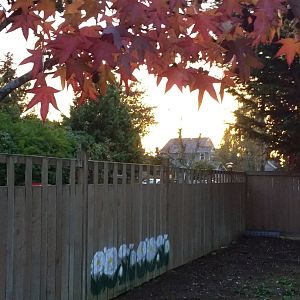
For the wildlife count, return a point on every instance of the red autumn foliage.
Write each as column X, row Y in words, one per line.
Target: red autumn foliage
column 92, row 42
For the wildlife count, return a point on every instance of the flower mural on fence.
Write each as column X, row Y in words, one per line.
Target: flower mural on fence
column 111, row 262
column 97, row 265
column 111, row 266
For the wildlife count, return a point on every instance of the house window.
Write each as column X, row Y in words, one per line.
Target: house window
column 202, row 156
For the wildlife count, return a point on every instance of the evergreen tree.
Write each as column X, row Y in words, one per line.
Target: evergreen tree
column 13, row 104
column 111, row 128
column 244, row 154
column 269, row 107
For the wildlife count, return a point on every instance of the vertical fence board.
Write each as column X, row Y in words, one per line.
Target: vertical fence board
column 4, row 239
column 19, row 244
column 36, row 243
column 65, row 234
column 28, row 227
column 59, row 242
column 51, row 242
column 91, row 250
column 10, row 227
column 72, row 229
column 44, row 231
column 78, row 236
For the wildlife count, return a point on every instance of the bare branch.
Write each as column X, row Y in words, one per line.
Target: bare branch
column 9, row 20
column 12, row 85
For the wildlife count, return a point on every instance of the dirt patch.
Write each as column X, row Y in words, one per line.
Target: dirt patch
column 252, row 268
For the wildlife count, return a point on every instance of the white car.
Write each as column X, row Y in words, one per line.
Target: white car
column 151, row 181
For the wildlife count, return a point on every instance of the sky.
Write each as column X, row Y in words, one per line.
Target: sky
column 173, row 110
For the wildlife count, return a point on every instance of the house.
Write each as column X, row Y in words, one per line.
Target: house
column 271, row 166
column 186, row 151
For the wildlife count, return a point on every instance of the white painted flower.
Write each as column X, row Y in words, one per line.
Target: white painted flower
column 167, row 246
column 159, row 240
column 123, row 251
column 165, row 237
column 121, row 271
column 132, row 258
column 141, row 252
column 157, row 257
column 151, row 249
column 131, row 246
column 111, row 262
column 97, row 265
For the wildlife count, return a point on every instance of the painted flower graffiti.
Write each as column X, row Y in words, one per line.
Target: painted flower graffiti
column 141, row 252
column 97, row 265
column 111, row 266
column 111, row 262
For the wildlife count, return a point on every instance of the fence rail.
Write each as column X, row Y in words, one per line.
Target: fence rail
column 78, row 229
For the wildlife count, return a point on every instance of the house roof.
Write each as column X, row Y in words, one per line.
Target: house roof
column 191, row 145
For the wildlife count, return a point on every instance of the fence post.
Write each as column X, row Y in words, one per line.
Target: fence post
column 83, row 179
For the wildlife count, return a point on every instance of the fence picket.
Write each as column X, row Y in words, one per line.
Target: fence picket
column 10, row 226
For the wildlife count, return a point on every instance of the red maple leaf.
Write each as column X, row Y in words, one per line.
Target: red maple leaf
column 203, row 82
column 177, row 3
column 25, row 21
column 270, row 7
column 66, row 45
column 229, row 7
column 191, row 47
column 205, row 24
column 77, row 67
column 132, row 12
column 289, row 48
column 37, row 59
column 103, row 50
column 125, row 70
column 226, row 81
column 45, row 95
column 88, row 91
column 266, row 19
column 47, row 6
column 24, row 5
column 239, row 51
column 176, row 76
column 140, row 45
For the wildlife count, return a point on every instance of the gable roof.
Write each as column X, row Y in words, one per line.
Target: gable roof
column 192, row 145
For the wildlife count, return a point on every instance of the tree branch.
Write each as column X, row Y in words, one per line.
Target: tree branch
column 9, row 19
column 12, row 85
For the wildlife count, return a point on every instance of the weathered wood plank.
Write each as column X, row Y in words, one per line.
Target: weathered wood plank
column 78, row 240
column 10, row 227
column 4, row 222
column 36, row 242
column 51, row 241
column 19, row 244
column 72, row 231
column 91, row 249
column 59, row 241
column 44, row 230
column 28, row 228
column 65, row 234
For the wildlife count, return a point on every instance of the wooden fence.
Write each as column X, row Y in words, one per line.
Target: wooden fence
column 78, row 229
column 273, row 202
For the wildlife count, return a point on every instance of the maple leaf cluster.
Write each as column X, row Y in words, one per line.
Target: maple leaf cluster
column 88, row 43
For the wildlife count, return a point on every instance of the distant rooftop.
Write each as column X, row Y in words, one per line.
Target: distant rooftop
column 192, row 145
